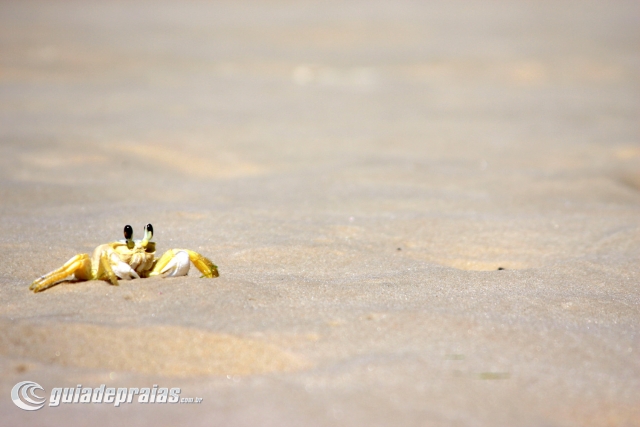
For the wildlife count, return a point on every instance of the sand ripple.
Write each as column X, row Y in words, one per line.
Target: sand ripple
column 164, row 350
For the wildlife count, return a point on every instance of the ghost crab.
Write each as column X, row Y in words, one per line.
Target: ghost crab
column 127, row 259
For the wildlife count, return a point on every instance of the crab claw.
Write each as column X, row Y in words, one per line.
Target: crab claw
column 177, row 266
column 122, row 269
column 124, row 272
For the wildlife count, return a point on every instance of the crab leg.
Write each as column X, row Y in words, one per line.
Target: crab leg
column 105, row 272
column 80, row 265
column 175, row 262
column 206, row 267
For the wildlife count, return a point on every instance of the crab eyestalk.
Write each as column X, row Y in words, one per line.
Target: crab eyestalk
column 128, row 236
column 148, row 235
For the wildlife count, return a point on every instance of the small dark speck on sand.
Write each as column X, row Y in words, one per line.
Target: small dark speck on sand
column 500, row 268
column 399, row 249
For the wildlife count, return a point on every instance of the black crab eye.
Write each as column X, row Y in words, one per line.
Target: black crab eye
column 128, row 232
column 149, row 228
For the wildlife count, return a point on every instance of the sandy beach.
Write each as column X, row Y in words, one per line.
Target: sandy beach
column 423, row 213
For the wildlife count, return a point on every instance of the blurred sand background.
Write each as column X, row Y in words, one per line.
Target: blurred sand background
column 358, row 171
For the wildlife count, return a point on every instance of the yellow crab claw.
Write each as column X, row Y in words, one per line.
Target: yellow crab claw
column 167, row 261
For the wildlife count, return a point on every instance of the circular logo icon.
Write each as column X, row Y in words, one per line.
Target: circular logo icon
column 24, row 396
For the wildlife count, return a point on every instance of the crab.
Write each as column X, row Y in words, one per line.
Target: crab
column 127, row 259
